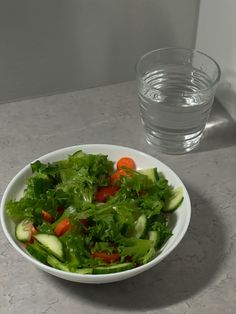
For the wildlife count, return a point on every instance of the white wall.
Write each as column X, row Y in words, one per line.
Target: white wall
column 50, row 46
column 216, row 36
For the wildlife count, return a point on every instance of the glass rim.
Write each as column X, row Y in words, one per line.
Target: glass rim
column 192, row 51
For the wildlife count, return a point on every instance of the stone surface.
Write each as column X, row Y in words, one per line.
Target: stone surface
column 198, row 277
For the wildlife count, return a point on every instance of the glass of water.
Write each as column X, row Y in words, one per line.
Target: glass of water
column 176, row 89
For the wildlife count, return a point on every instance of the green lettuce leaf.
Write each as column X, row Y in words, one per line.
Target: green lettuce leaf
column 136, row 248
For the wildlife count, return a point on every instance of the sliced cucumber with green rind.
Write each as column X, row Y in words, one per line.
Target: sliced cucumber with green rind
column 23, row 230
column 51, row 243
column 175, row 200
column 151, row 173
column 140, row 226
column 37, row 252
column 55, row 263
column 84, row 271
column 113, row 268
column 154, row 237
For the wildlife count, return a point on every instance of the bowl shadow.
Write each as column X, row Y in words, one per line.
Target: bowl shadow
column 185, row 272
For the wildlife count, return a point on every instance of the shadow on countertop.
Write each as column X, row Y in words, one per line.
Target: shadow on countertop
column 220, row 130
column 188, row 270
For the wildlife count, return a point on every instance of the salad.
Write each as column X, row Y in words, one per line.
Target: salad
column 89, row 215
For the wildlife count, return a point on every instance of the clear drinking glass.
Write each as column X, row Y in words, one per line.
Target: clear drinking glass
column 176, row 89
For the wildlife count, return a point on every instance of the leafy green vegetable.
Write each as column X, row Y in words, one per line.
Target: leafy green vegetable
column 77, row 254
column 103, row 247
column 45, row 227
column 18, row 210
column 137, row 248
column 67, row 189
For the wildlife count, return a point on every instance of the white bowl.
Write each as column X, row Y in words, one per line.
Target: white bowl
column 179, row 219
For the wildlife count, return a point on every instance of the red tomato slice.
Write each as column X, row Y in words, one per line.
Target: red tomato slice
column 128, row 258
column 116, row 175
column 103, row 194
column 46, row 216
column 107, row 258
column 62, row 227
column 126, row 162
column 33, row 230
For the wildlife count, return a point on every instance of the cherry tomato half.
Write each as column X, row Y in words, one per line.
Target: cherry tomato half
column 126, row 162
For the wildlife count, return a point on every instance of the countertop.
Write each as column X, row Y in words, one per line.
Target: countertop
column 200, row 274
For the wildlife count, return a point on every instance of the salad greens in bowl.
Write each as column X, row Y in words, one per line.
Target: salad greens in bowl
column 95, row 213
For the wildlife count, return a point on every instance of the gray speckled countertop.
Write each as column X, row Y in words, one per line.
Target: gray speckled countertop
column 198, row 277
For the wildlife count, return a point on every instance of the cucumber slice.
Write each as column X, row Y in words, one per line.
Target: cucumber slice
column 113, row 268
column 84, row 271
column 51, row 243
column 55, row 263
column 37, row 252
column 23, row 230
column 174, row 201
column 140, row 226
column 154, row 237
column 151, row 173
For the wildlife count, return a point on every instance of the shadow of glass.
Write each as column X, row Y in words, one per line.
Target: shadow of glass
column 220, row 130
column 188, row 270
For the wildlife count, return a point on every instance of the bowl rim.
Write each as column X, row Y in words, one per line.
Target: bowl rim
column 83, row 277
